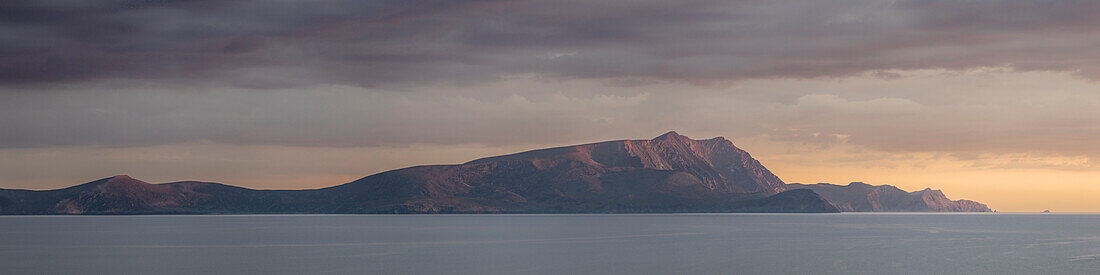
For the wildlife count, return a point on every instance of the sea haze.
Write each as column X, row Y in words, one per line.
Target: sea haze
column 509, row 244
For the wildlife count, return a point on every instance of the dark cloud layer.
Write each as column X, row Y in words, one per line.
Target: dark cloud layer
column 278, row 44
column 919, row 76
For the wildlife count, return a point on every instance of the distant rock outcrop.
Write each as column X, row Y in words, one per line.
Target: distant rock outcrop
column 862, row 197
column 670, row 173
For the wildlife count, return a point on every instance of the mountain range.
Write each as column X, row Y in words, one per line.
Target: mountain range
column 670, row 173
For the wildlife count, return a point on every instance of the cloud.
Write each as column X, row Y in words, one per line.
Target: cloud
column 401, row 43
column 877, row 107
column 255, row 166
column 896, row 76
column 1032, row 161
column 986, row 111
column 331, row 116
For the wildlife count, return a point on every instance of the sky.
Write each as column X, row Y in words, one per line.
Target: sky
column 994, row 101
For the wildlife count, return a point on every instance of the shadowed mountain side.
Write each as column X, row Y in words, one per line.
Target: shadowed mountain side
column 518, row 187
column 862, row 197
column 665, row 174
column 124, row 195
column 670, row 173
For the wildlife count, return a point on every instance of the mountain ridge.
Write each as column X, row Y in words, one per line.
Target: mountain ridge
column 667, row 174
column 862, row 197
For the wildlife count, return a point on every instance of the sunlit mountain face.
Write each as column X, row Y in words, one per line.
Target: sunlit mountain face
column 990, row 101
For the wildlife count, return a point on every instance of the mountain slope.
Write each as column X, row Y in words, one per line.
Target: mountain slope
column 862, row 197
column 716, row 162
column 670, row 173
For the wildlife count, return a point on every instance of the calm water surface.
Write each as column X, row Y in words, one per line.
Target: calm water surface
column 557, row 244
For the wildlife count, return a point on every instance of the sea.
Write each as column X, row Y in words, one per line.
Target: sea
column 845, row 243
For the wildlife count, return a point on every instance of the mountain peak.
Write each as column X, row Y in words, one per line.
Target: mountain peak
column 671, row 135
column 714, row 164
column 123, row 179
